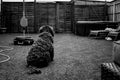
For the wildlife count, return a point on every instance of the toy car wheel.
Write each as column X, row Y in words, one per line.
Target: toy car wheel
column 15, row 42
column 31, row 42
column 25, row 42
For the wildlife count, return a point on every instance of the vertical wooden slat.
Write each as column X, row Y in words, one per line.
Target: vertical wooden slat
column 47, row 8
column 57, row 16
column 0, row 19
column 65, row 5
column 35, row 27
column 73, row 18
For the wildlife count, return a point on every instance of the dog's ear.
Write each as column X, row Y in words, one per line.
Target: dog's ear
column 41, row 28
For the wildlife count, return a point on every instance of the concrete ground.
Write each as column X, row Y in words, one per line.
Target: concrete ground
column 76, row 58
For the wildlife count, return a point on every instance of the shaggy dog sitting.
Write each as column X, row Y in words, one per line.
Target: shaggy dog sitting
column 42, row 51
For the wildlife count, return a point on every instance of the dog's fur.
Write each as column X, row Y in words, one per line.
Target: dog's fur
column 47, row 28
column 46, row 36
column 42, row 51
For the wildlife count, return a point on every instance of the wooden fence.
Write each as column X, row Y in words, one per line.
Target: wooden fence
column 89, row 11
column 56, row 14
column 114, row 11
column 61, row 15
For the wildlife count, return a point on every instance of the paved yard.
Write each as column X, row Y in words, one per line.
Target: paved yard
column 76, row 58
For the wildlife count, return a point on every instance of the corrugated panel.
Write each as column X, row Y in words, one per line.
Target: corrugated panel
column 88, row 3
column 89, row 13
column 110, row 17
column 118, row 17
column 45, row 14
column 114, row 8
column 51, row 14
column 117, row 8
column 110, row 9
column 41, row 14
column 63, row 17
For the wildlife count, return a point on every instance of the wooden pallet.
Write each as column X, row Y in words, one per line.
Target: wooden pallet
column 110, row 71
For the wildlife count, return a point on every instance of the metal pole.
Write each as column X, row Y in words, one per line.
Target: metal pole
column 24, row 21
column 105, row 10
column 23, row 7
column 1, row 6
column 35, row 16
column 47, row 13
column 113, row 11
column 1, row 14
column 24, row 16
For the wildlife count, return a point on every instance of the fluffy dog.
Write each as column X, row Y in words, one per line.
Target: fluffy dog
column 42, row 51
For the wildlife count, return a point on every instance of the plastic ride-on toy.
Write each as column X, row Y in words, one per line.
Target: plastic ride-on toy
column 25, row 40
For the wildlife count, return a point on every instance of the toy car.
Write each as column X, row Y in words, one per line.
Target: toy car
column 25, row 40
